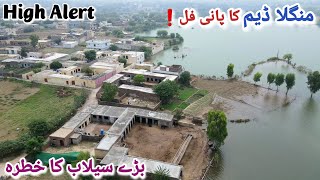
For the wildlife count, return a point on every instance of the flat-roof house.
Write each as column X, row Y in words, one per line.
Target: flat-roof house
column 98, row 44
column 69, row 44
column 172, row 70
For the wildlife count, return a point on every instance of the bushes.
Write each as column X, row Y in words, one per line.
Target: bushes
column 10, row 147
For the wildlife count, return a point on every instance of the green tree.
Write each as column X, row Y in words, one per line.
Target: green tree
column 123, row 60
column 57, row 40
column 166, row 90
column 159, row 63
column 55, row 65
column 87, row 70
column 23, row 52
column 147, row 51
column 162, row 33
column 217, row 127
column 113, row 47
column 230, row 70
column 161, row 173
column 271, row 77
column 34, row 145
column 109, row 92
column 118, row 33
column 279, row 80
column 138, row 79
column 172, row 35
column 290, row 81
column 185, row 78
column 256, row 77
column 314, row 82
column 90, row 55
column 34, row 40
column 288, row 57
column 39, row 127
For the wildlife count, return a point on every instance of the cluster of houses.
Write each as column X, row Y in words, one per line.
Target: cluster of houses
column 106, row 68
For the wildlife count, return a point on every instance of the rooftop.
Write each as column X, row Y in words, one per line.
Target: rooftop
column 137, row 88
column 80, row 117
column 114, row 78
column 148, row 73
column 62, row 133
column 62, row 76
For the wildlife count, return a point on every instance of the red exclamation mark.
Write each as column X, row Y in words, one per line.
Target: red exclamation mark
column 169, row 17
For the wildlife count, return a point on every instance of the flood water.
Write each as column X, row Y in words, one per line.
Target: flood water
column 279, row 145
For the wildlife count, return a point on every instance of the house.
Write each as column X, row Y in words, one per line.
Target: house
column 173, row 69
column 69, row 44
column 43, row 43
column 98, row 44
column 150, row 77
column 131, row 45
column 10, row 50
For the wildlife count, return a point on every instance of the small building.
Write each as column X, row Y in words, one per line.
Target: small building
column 138, row 92
column 69, row 44
column 61, row 137
column 10, row 50
column 98, row 44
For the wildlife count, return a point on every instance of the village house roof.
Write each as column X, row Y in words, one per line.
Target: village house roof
column 137, row 88
column 61, row 133
column 80, row 117
column 148, row 73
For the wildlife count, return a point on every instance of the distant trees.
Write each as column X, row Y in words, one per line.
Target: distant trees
column 57, row 40
column 314, row 82
column 23, row 52
column 257, row 77
column 90, row 55
column 28, row 29
column 55, row 65
column 138, row 79
column 162, row 33
column 288, row 57
column 113, row 47
column 217, row 127
column 279, row 80
column 147, row 51
column 159, row 63
column 34, row 40
column 166, row 90
column 117, row 33
column 230, row 70
column 109, row 92
column 185, row 78
column 290, row 81
column 161, row 173
column 123, row 60
column 270, row 79
column 172, row 35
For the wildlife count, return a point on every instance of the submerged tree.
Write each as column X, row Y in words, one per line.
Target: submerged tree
column 279, row 80
column 217, row 127
column 257, row 77
column 314, row 82
column 230, row 70
column 288, row 57
column 271, row 77
column 290, row 81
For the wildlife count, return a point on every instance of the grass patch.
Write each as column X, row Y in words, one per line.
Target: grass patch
column 185, row 93
column 45, row 104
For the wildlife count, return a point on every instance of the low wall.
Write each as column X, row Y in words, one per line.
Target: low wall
column 91, row 138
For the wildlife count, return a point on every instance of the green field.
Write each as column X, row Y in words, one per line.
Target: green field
column 21, row 104
column 184, row 98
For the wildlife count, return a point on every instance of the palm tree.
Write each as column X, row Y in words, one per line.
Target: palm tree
column 161, row 173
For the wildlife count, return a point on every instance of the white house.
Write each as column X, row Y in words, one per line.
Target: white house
column 98, row 44
column 69, row 44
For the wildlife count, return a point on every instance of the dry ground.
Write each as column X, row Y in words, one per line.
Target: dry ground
column 83, row 146
column 162, row 144
column 95, row 128
column 11, row 93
